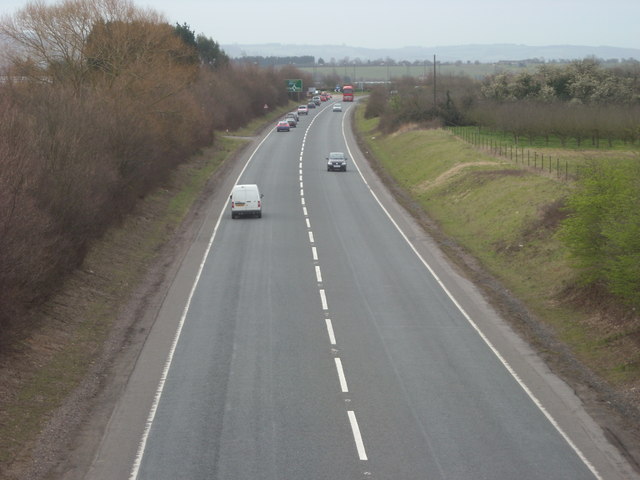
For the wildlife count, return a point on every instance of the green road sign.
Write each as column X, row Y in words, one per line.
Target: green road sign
column 294, row 85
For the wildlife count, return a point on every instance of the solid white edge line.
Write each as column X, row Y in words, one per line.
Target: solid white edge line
column 341, row 377
column 332, row 336
column 135, row 469
column 323, row 299
column 362, row 454
column 504, row 362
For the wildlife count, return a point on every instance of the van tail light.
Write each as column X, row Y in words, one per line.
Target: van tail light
column 259, row 204
column 233, row 204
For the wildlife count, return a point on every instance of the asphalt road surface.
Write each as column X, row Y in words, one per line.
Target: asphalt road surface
column 331, row 340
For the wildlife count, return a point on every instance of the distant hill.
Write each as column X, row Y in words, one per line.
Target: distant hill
column 452, row 53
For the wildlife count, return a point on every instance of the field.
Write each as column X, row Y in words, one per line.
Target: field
column 382, row 73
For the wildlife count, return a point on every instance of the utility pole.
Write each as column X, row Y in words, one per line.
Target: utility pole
column 434, row 81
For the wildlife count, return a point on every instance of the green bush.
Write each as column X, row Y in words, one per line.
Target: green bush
column 602, row 231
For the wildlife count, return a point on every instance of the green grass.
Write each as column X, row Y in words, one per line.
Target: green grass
column 545, row 142
column 551, row 157
column 503, row 214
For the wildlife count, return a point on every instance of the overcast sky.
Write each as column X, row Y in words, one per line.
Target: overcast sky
column 400, row 23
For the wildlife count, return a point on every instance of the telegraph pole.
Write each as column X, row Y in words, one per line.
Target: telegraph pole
column 434, row 81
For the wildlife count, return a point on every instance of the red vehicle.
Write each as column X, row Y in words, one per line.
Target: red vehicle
column 347, row 93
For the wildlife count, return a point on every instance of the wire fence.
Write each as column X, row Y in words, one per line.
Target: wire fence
column 556, row 167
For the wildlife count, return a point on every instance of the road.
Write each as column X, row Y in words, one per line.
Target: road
column 331, row 340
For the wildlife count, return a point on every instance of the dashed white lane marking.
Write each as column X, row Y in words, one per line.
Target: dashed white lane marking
column 343, row 379
column 362, row 454
column 323, row 298
column 332, row 337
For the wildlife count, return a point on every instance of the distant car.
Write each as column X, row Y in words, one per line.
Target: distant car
column 293, row 115
column 323, row 98
column 283, row 126
column 303, row 110
column 337, row 161
column 311, row 104
column 292, row 122
column 337, row 107
column 317, row 100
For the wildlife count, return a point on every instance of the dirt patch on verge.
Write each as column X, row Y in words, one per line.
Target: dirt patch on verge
column 452, row 172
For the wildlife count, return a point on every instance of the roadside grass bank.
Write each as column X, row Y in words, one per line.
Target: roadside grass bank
column 61, row 348
column 506, row 217
column 546, row 154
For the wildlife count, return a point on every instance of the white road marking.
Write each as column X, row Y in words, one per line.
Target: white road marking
column 311, row 240
column 475, row 326
column 318, row 274
column 343, row 379
column 302, row 201
column 301, row 185
column 135, row 468
column 304, row 211
column 314, row 252
column 362, row 454
column 308, row 223
column 323, row 298
column 332, row 337
column 301, row 192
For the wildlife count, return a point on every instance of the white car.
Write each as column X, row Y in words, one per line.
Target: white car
column 246, row 200
column 303, row 110
column 337, row 107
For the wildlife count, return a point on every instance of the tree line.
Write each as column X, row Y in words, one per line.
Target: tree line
column 99, row 102
column 580, row 101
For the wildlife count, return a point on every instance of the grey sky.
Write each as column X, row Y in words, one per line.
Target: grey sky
column 399, row 23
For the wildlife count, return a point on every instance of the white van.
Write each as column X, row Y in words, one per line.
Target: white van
column 246, row 200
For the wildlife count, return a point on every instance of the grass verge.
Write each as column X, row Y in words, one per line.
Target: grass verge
column 507, row 216
column 55, row 350
column 63, row 338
